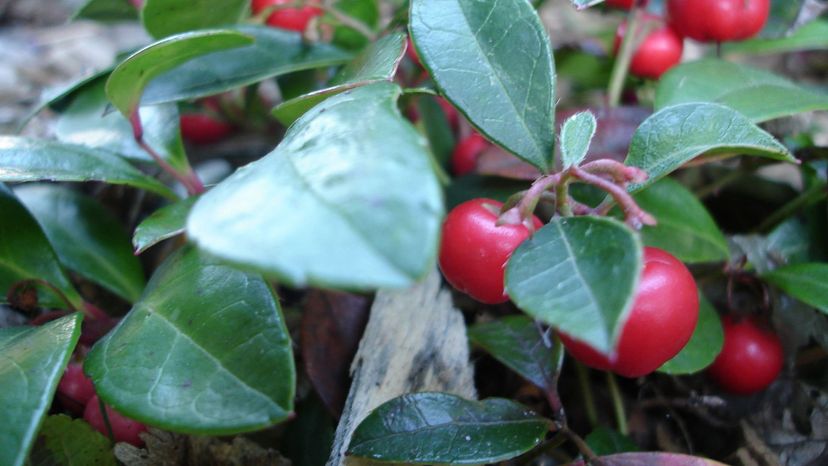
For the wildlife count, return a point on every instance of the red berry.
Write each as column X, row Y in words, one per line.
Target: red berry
column 75, row 389
column 625, row 4
column 474, row 251
column 294, row 19
column 661, row 321
column 750, row 360
column 718, row 20
column 464, row 157
column 201, row 128
column 657, row 53
column 452, row 116
column 123, row 429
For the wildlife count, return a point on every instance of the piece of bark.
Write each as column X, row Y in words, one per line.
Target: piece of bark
column 415, row 341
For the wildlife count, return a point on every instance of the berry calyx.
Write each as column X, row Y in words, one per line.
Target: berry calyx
column 718, row 20
column 201, row 128
column 657, row 53
column 751, row 357
column 660, row 323
column 465, row 154
column 294, row 19
column 123, row 428
column 75, row 389
column 474, row 249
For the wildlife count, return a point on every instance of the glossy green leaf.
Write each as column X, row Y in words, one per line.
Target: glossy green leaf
column 685, row 228
column 703, row 347
column 805, row 282
column 66, row 441
column 127, row 81
column 455, row 430
column 755, row 93
column 205, row 351
column 33, row 362
column 162, row 18
column 23, row 159
column 107, row 11
column 25, row 253
column 378, row 62
column 366, row 191
column 366, row 11
column 516, row 342
column 812, row 36
column 651, row 459
column 576, row 135
column 493, row 60
column 86, row 237
column 606, row 441
column 164, row 223
column 560, row 276
column 675, row 135
column 85, row 121
column 275, row 52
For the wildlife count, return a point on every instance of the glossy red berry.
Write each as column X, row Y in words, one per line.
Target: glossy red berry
column 75, row 389
column 657, row 53
column 474, row 251
column 201, row 128
column 465, row 154
column 123, row 429
column 661, row 321
column 294, row 19
column 718, row 20
column 751, row 357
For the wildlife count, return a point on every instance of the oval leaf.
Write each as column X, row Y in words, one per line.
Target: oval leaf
column 675, row 135
column 205, row 351
column 162, row 18
column 493, row 60
column 456, row 431
column 164, row 223
column 351, row 175
column 805, row 282
column 66, row 441
column 33, row 362
column 576, row 135
column 704, row 345
column 86, row 237
column 652, row 459
column 107, row 11
column 812, row 36
column 560, row 276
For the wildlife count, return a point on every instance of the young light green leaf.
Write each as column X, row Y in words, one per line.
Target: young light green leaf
column 107, row 11
column 755, row 93
column 23, row 159
column 164, row 223
column 33, row 362
column 86, row 237
column 703, row 347
column 812, row 36
column 352, row 175
column 205, row 351
column 675, row 135
column 162, row 18
column 66, row 441
column 560, row 276
column 457, row 431
column 576, row 135
column 493, row 60
column 805, row 282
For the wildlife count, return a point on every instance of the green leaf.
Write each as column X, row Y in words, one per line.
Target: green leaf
column 164, row 223
column 86, row 122
column 437, row 128
column 606, row 441
column 25, row 253
column 805, row 282
column 576, row 135
column 127, row 81
column 703, row 347
column 33, row 362
column 560, row 275
column 205, row 351
column 493, row 60
column 162, row 18
column 274, row 52
column 366, row 11
column 365, row 191
column 66, row 441
column 755, row 93
column 469, row 187
column 378, row 62
column 677, row 134
column 23, row 159
column 456, row 431
column 107, row 11
column 86, row 237
column 685, row 229
column 812, row 36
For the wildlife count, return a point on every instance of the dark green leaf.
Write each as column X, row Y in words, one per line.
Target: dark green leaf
column 560, row 275
column 812, row 36
column 205, row 351
column 366, row 191
column 677, row 134
column 66, row 441
column 107, row 11
column 703, row 347
column 376, row 63
column 33, row 362
column 25, row 253
column 606, row 441
column 86, row 237
column 437, row 128
column 307, row 441
column 493, row 60
column 162, row 18
column 805, row 282
column 366, row 11
column 164, row 223
column 473, row 186
column 652, row 459
column 23, row 159
column 516, row 342
column 455, row 431
column 576, row 135
column 755, row 93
